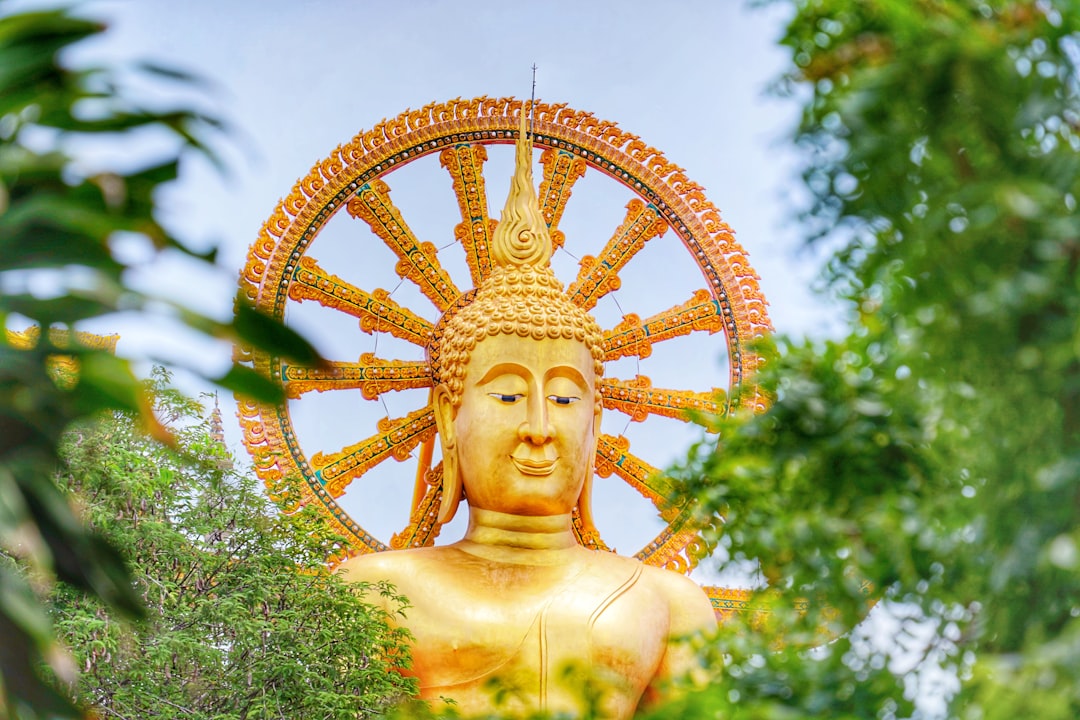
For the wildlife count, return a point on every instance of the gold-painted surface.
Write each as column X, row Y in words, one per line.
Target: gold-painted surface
column 571, row 141
column 561, row 170
column 417, row 261
column 396, row 439
column 639, row 399
column 728, row 602
column 62, row 368
column 519, row 598
column 465, row 163
column 634, row 337
column 599, row 276
column 372, row 376
column 376, row 311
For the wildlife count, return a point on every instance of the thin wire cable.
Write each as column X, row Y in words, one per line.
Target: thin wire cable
column 375, row 349
column 637, row 359
column 563, row 249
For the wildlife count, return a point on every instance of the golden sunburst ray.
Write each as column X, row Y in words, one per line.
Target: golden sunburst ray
column 633, row 337
column 396, row 438
column 465, row 163
column 669, row 548
column 561, row 170
column 372, row 376
column 423, row 525
column 639, row 399
column 376, row 311
column 417, row 261
column 613, row 456
column 600, row 275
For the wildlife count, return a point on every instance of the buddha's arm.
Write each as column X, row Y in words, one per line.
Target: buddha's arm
column 381, row 587
column 691, row 616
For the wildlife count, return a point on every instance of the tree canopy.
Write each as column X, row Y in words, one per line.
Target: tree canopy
column 930, row 459
column 245, row 619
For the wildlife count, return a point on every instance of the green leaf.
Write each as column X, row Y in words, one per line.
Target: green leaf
column 250, row 384
column 22, row 681
column 270, row 335
column 66, row 309
column 78, row 555
column 105, row 382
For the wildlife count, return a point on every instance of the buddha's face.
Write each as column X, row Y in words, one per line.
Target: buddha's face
column 525, row 430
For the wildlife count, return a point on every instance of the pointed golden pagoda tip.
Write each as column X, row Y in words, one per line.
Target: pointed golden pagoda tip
column 522, row 236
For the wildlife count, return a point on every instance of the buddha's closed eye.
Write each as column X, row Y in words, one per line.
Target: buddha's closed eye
column 510, row 399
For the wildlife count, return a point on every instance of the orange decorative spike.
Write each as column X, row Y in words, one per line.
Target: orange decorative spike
column 634, row 337
column 396, row 439
column 613, row 456
column 465, row 162
column 599, row 276
column 423, row 525
column 417, row 261
column 372, row 376
column 561, row 171
column 639, row 399
column 376, row 311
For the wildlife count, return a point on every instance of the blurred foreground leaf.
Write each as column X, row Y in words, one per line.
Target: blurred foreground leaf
column 935, row 450
column 56, row 220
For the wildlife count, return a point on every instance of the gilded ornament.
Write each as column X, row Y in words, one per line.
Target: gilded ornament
column 460, row 133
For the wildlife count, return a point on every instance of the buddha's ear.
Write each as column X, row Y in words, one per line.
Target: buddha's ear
column 445, row 412
column 443, row 406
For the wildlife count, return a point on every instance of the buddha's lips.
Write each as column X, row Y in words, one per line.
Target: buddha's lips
column 537, row 468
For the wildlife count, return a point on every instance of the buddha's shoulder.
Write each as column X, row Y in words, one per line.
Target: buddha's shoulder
column 400, row 568
column 662, row 579
column 686, row 600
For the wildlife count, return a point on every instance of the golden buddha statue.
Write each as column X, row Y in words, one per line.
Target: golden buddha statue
column 518, row 600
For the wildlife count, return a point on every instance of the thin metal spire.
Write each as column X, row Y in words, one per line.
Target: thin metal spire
column 532, row 103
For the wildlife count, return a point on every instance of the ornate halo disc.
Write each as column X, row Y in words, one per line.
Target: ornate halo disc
column 281, row 274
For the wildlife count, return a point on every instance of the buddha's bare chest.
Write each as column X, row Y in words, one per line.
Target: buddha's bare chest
column 526, row 627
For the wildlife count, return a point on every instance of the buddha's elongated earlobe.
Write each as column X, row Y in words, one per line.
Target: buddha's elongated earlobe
column 584, row 503
column 451, row 481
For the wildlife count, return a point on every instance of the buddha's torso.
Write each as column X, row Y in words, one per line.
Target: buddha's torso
column 477, row 622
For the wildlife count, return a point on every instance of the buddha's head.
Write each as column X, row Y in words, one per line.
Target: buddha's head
column 516, row 365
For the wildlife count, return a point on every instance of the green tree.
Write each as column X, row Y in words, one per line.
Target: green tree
column 931, row 458
column 59, row 227
column 244, row 618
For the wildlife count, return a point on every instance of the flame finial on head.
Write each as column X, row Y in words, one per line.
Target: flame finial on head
column 522, row 236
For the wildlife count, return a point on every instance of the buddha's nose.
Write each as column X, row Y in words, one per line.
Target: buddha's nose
column 536, row 429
